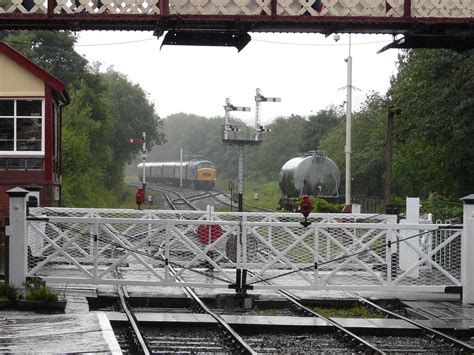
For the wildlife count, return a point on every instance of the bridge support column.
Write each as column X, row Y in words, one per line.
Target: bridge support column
column 467, row 250
column 16, row 231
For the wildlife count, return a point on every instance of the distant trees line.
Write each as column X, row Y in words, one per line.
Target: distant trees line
column 433, row 154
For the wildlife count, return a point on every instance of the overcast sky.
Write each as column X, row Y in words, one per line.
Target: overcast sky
column 307, row 71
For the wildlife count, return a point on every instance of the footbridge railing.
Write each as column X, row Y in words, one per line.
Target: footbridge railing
column 307, row 8
column 242, row 251
column 442, row 21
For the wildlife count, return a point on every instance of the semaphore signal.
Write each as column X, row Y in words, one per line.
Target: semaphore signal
column 258, row 99
column 136, row 140
column 229, row 108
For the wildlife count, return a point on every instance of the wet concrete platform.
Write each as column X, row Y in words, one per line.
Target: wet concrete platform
column 28, row 332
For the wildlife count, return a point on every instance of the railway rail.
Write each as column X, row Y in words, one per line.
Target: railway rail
column 456, row 344
column 180, row 203
column 359, row 343
column 204, row 342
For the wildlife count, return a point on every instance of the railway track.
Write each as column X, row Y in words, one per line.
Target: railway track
column 209, row 339
column 220, row 338
column 178, row 203
column 432, row 340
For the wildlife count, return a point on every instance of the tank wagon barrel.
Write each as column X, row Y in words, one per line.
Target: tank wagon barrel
column 313, row 174
column 199, row 174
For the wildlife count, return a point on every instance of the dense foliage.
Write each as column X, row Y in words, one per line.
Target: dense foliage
column 434, row 89
column 106, row 110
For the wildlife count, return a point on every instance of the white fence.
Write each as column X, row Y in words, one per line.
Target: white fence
column 240, row 250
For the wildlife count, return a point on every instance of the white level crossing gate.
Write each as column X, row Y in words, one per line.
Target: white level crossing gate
column 236, row 250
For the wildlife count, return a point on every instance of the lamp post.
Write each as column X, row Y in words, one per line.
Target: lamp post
column 348, row 147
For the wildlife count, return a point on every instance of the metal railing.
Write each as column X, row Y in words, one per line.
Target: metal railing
column 213, row 249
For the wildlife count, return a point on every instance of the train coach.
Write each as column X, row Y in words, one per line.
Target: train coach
column 199, row 174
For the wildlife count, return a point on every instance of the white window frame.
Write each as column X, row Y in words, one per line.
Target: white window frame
column 25, row 153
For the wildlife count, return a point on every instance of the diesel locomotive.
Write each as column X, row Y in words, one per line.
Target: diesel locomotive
column 198, row 174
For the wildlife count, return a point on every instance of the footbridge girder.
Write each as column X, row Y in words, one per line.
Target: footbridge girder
column 424, row 23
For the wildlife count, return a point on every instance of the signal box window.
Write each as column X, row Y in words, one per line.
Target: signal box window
column 21, row 126
column 21, row 164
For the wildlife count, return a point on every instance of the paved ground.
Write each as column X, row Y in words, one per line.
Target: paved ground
column 28, row 332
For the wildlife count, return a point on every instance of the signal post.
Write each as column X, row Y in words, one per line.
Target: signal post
column 140, row 195
column 232, row 135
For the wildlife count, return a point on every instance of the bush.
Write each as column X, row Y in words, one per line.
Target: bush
column 442, row 208
column 322, row 206
column 8, row 291
column 36, row 290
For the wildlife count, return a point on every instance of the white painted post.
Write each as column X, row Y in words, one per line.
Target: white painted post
column 16, row 231
column 181, row 168
column 467, row 250
column 408, row 257
column 356, row 208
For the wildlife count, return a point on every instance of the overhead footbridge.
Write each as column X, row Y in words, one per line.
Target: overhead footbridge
column 416, row 23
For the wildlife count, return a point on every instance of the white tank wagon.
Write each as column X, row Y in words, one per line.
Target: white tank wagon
column 312, row 174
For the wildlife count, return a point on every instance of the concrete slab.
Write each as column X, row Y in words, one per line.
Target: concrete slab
column 379, row 323
column 247, row 320
column 174, row 317
column 27, row 332
column 297, row 321
column 447, row 311
column 116, row 316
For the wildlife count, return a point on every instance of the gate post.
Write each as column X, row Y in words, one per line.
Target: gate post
column 407, row 256
column 16, row 232
column 467, row 250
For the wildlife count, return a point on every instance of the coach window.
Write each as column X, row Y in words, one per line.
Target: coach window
column 21, row 127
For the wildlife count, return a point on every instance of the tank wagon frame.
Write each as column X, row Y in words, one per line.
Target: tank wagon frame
column 312, row 174
column 198, row 174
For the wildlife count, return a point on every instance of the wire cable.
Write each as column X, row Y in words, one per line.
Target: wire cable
column 82, row 45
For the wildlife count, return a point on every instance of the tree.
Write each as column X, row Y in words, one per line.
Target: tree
column 434, row 90
column 134, row 115
column 51, row 50
column 280, row 145
column 368, row 147
column 318, row 126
